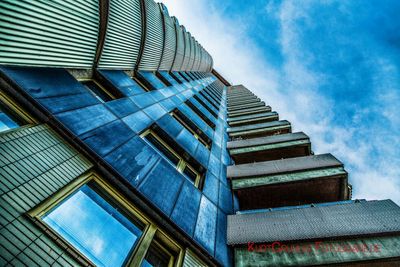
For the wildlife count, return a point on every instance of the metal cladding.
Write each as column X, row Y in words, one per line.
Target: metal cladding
column 169, row 41
column 115, row 34
column 49, row 33
column 283, row 166
column 321, row 221
column 124, row 30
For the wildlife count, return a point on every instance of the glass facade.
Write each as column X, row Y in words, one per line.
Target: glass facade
column 98, row 228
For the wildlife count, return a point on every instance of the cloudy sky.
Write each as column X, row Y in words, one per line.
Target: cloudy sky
column 330, row 67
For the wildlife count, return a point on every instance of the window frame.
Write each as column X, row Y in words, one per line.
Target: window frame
column 176, row 116
column 137, row 253
column 104, row 90
column 181, row 165
column 18, row 111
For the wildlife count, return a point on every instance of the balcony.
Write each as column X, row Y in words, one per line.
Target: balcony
column 259, row 237
column 259, row 129
column 270, row 148
column 288, row 182
column 249, row 111
column 243, row 107
column 253, row 118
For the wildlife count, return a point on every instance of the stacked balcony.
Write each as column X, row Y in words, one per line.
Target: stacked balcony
column 273, row 166
column 289, row 197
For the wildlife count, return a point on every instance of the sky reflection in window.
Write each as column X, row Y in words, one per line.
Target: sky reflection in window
column 94, row 227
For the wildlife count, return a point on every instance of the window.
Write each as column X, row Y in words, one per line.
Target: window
column 11, row 115
column 196, row 132
column 103, row 228
column 173, row 157
column 148, row 80
column 98, row 91
column 158, row 256
column 200, row 114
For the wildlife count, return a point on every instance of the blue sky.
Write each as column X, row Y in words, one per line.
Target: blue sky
column 330, row 67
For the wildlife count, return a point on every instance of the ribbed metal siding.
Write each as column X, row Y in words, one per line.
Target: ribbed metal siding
column 170, row 42
column 34, row 164
column 123, row 35
column 180, row 46
column 192, row 53
column 191, row 260
column 197, row 57
column 186, row 57
column 153, row 45
column 49, row 33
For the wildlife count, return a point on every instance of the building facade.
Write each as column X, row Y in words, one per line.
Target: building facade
column 121, row 145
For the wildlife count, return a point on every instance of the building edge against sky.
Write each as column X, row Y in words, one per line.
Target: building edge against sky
column 121, row 145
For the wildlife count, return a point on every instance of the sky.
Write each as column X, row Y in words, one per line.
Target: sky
column 332, row 68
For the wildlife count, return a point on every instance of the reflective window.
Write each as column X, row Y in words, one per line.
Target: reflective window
column 96, row 226
column 157, row 256
column 150, row 80
column 166, row 150
column 9, row 118
column 98, row 91
column 196, row 132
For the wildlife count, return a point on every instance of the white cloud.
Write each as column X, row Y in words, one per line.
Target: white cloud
column 293, row 89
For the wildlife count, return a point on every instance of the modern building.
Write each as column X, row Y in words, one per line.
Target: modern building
column 121, row 145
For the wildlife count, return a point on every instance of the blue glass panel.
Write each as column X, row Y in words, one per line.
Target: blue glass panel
column 186, row 140
column 152, row 79
column 133, row 160
column 206, row 224
column 95, row 227
column 138, row 121
column 143, row 100
column 44, row 82
column 70, row 102
column 122, row 107
column 170, row 126
column 122, row 81
column 202, row 154
column 186, row 208
column 107, row 137
column 222, row 252
column 85, row 119
column 168, row 104
column 162, row 186
column 225, row 199
column 155, row 111
column 211, row 187
column 214, row 165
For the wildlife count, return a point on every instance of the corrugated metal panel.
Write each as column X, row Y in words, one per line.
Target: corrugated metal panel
column 283, row 166
column 186, row 56
column 153, row 45
column 124, row 29
column 191, row 260
column 170, row 41
column 49, row 33
column 34, row 164
column 192, row 52
column 180, row 46
column 348, row 219
column 197, row 57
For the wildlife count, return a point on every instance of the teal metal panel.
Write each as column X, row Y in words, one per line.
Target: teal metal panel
column 189, row 67
column 154, row 37
column 123, row 35
column 34, row 164
column 186, row 56
column 180, row 46
column 49, row 33
column 169, row 42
